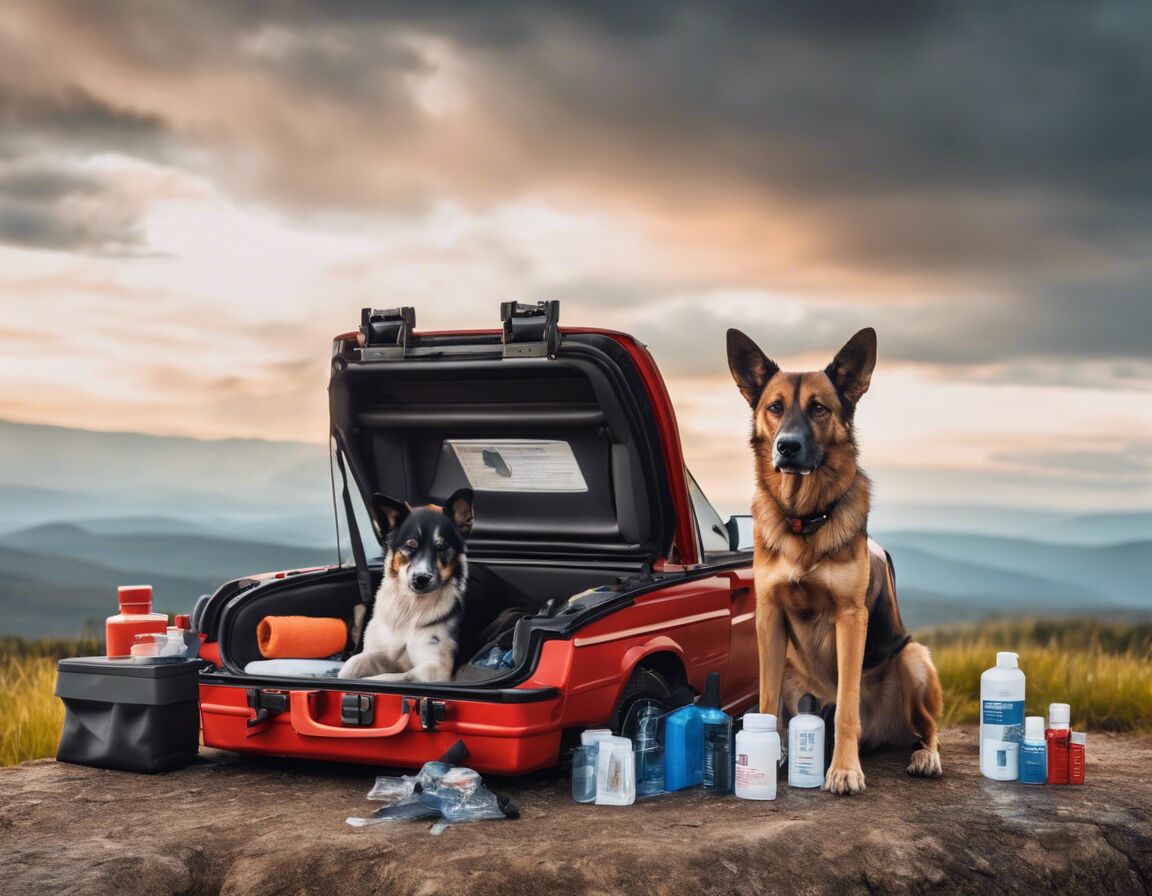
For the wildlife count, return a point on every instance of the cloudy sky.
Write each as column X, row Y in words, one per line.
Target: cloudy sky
column 195, row 196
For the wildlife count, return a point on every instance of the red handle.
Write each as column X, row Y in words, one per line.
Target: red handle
column 302, row 721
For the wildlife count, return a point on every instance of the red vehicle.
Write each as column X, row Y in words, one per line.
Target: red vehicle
column 640, row 588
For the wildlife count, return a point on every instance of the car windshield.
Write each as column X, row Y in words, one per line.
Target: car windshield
column 713, row 532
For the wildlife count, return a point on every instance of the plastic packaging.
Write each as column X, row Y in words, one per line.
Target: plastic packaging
column 757, row 757
column 496, row 658
column 649, row 753
column 1077, row 742
column 413, row 811
column 1058, row 737
column 615, row 772
column 135, row 618
column 584, row 765
column 716, row 731
column 806, row 745
column 452, row 794
column 393, row 790
column 1033, row 752
column 683, row 748
column 174, row 644
column 1001, row 718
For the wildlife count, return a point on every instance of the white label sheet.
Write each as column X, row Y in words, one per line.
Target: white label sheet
column 519, row 465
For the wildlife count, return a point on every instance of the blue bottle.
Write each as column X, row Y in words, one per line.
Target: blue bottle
column 1034, row 752
column 716, row 761
column 683, row 749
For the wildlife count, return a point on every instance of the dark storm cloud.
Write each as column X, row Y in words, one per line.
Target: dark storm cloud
column 994, row 155
column 58, row 209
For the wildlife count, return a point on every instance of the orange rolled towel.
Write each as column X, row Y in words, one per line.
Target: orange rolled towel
column 301, row 637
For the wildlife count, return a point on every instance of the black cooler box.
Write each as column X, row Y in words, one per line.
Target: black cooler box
column 127, row 715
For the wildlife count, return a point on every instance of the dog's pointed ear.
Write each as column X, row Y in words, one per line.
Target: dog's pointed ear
column 459, row 508
column 851, row 369
column 751, row 368
column 387, row 514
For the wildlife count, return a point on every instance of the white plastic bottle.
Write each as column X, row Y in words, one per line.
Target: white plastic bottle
column 806, row 746
column 757, row 757
column 1001, row 718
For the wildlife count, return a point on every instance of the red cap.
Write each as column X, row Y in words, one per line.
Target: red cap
column 184, row 621
column 134, row 596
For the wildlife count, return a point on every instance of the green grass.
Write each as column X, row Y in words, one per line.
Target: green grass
column 31, row 714
column 1103, row 670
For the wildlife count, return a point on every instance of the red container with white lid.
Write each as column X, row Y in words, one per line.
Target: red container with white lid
column 135, row 618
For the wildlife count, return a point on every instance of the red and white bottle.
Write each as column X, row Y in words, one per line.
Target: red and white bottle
column 135, row 618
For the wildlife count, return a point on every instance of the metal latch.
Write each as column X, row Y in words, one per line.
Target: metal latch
column 357, row 709
column 386, row 332
column 432, row 712
column 530, row 331
column 266, row 704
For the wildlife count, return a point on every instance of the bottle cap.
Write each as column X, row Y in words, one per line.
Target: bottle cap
column 184, row 622
column 759, row 721
column 1078, row 737
column 1034, row 728
column 1008, row 660
column 808, row 704
column 711, row 696
column 1059, row 715
column 134, row 596
column 594, row 735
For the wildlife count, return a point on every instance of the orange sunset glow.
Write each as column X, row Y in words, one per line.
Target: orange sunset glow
column 195, row 197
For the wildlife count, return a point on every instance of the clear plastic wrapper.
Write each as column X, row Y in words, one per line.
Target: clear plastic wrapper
column 451, row 794
column 414, row 811
column 393, row 790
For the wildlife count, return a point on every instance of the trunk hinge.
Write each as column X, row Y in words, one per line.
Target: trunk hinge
column 386, row 332
column 530, row 331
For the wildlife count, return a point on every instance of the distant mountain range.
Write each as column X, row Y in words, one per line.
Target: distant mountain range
column 82, row 512
column 57, row 579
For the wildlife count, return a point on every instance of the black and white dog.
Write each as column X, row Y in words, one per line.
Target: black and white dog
column 415, row 630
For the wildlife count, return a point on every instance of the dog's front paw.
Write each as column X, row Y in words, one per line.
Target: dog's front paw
column 925, row 764
column 351, row 669
column 844, row 780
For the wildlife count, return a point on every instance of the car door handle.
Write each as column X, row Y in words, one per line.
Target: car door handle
column 742, row 591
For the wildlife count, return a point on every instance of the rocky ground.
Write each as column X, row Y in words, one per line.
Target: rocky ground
column 236, row 826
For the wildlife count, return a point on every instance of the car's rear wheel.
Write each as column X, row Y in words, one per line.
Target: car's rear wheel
column 647, row 686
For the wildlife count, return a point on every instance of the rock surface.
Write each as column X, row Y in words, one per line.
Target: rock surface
column 236, row 826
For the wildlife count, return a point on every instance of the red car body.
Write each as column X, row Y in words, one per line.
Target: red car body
column 663, row 611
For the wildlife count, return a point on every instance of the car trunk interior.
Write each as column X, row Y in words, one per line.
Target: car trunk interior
column 531, row 588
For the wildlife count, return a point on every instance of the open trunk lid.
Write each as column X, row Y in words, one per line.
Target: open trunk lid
column 566, row 438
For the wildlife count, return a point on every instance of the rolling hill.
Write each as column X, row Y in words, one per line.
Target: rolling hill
column 1117, row 574
column 56, row 579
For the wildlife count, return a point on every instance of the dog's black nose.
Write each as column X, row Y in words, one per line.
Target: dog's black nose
column 421, row 579
column 788, row 447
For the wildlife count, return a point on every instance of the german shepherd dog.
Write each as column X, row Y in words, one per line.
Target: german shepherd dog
column 827, row 622
column 415, row 628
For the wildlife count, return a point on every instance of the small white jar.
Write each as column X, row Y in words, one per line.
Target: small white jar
column 757, row 757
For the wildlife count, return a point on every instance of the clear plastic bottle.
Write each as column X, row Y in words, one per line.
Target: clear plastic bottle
column 1001, row 718
column 584, row 765
column 716, row 729
column 649, row 753
column 806, row 745
column 757, row 757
